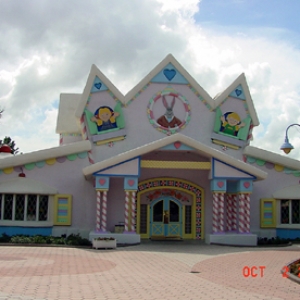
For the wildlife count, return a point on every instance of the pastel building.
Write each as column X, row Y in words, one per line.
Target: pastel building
column 165, row 161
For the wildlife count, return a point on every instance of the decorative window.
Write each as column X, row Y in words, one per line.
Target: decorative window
column 188, row 219
column 23, row 207
column 106, row 123
column 289, row 212
column 230, row 124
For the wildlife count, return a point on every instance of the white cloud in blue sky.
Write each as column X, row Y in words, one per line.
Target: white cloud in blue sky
column 48, row 47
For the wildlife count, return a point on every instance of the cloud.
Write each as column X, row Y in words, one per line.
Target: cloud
column 48, row 48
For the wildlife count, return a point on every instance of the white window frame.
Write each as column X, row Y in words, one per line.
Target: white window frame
column 290, row 225
column 25, row 222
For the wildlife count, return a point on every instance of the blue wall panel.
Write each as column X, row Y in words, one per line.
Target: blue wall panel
column 288, row 233
column 15, row 230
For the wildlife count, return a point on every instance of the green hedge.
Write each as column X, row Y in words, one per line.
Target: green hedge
column 73, row 239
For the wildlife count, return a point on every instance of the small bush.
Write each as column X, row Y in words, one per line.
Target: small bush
column 273, row 241
column 76, row 239
column 5, row 238
column 38, row 239
column 21, row 239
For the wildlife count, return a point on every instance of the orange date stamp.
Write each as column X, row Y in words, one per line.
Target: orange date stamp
column 253, row 271
column 286, row 270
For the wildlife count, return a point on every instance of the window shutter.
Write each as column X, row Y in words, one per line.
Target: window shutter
column 244, row 131
column 120, row 120
column 217, row 124
column 267, row 213
column 62, row 210
column 91, row 125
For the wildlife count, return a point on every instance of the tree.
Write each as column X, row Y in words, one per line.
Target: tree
column 8, row 141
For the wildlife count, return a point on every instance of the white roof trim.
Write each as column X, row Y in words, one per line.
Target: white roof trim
column 214, row 103
column 124, row 99
column 87, row 171
column 40, row 155
column 87, row 90
column 272, row 157
column 290, row 192
column 170, row 59
column 241, row 80
column 22, row 185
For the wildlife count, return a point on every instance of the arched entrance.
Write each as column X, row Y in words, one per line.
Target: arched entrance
column 170, row 207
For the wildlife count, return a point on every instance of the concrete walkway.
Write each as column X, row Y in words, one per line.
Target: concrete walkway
column 152, row 270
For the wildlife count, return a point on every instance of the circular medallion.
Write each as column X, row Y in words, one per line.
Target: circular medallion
column 168, row 111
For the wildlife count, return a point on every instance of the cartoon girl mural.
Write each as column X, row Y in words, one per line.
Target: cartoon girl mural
column 105, row 118
column 231, row 123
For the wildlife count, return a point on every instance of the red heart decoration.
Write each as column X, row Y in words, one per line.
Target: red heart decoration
column 102, row 181
column 131, row 182
column 246, row 184
column 177, row 145
column 220, row 184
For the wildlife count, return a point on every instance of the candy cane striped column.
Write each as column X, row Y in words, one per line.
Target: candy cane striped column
column 229, row 211
column 234, row 212
column 242, row 220
column 104, row 211
column 215, row 216
column 126, row 211
column 98, row 211
column 85, row 137
column 247, row 212
column 221, row 211
column 133, row 211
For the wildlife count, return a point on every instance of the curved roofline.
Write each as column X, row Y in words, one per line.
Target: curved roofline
column 40, row 155
column 272, row 157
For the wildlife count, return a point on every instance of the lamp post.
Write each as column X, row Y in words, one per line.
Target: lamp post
column 286, row 146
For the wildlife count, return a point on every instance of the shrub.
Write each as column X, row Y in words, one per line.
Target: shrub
column 21, row 239
column 76, row 239
column 73, row 239
column 5, row 238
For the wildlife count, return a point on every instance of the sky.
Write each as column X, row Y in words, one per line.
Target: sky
column 47, row 48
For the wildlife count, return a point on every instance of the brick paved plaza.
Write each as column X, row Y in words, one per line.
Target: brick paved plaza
column 152, row 270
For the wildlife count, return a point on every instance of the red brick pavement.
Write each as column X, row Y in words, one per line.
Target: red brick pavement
column 150, row 271
column 234, row 270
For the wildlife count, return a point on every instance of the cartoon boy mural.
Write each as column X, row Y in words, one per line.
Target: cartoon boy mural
column 105, row 118
column 231, row 123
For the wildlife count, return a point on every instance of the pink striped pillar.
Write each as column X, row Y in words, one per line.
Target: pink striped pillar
column 234, row 212
column 104, row 211
column 126, row 211
column 133, row 211
column 221, row 212
column 247, row 212
column 229, row 211
column 98, row 212
column 215, row 216
column 242, row 216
